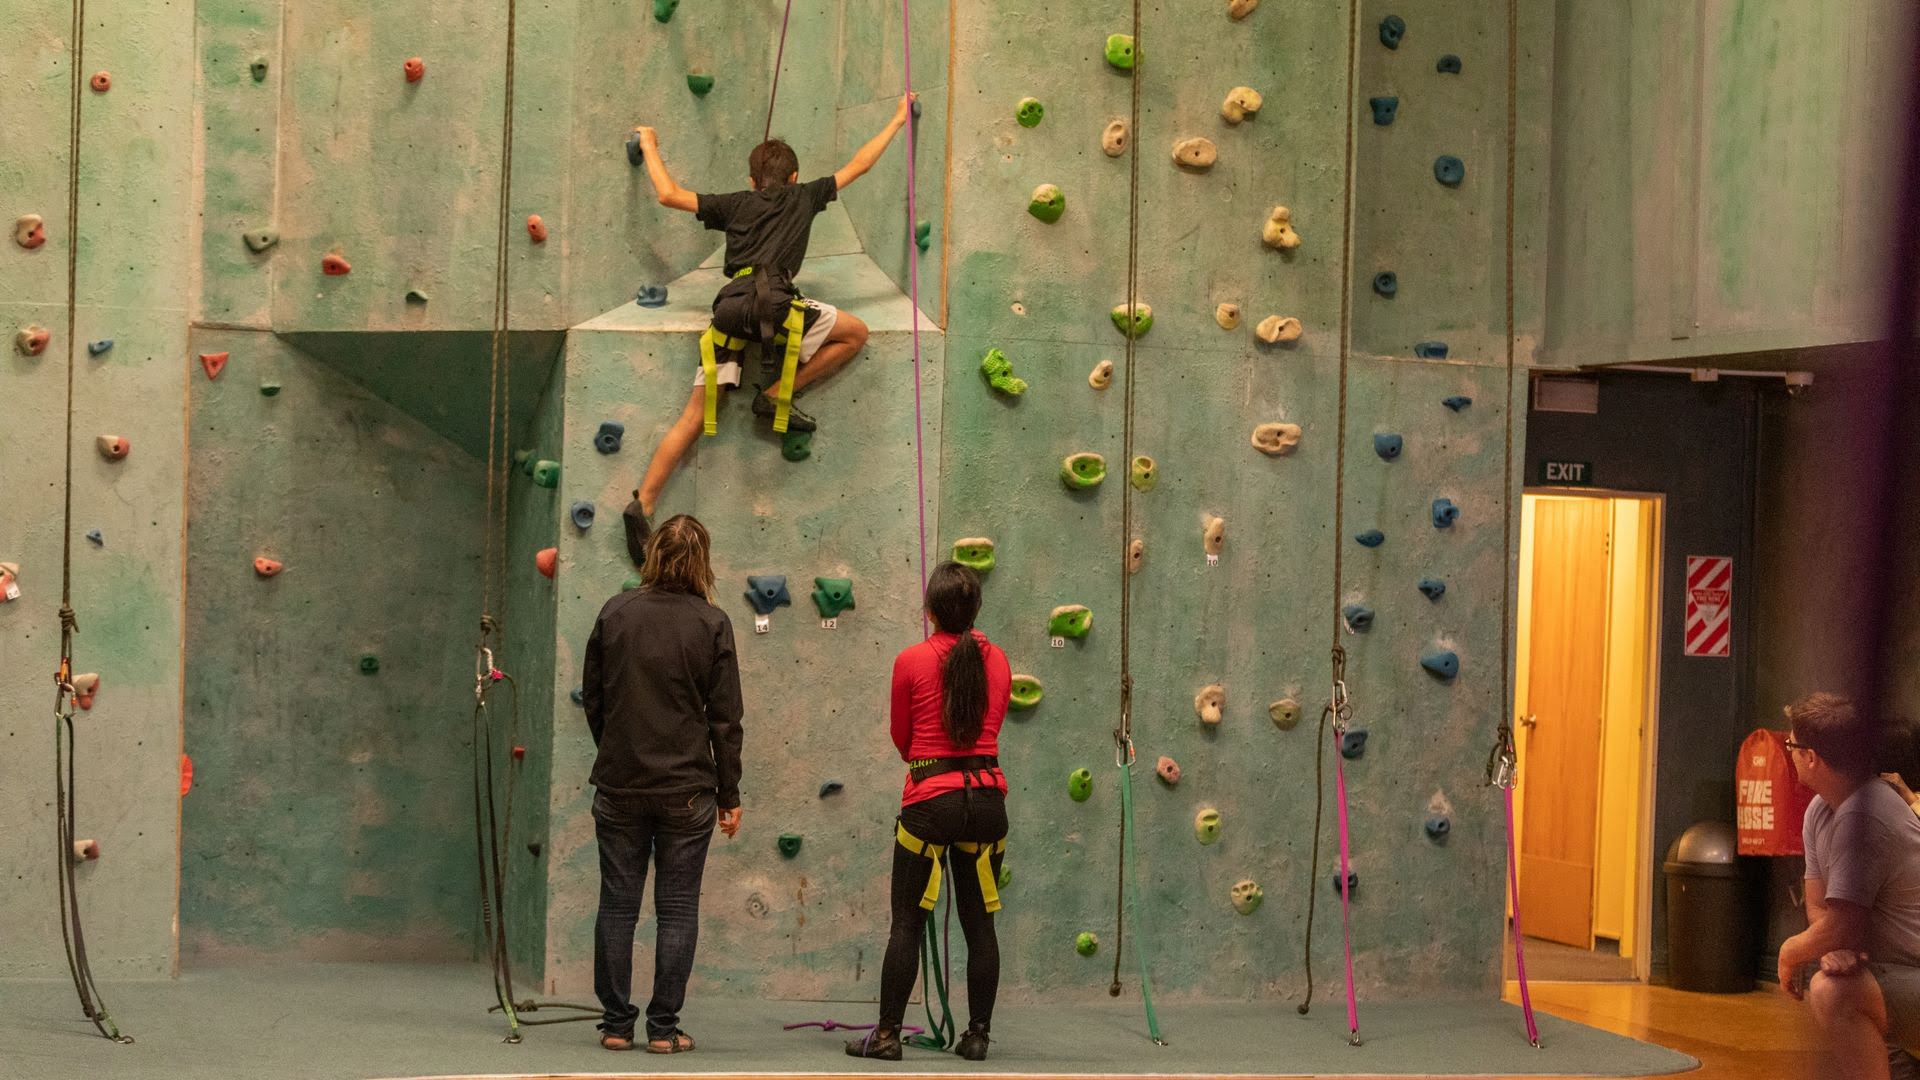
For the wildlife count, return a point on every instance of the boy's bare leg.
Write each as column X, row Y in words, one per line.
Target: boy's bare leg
column 674, row 445
column 847, row 338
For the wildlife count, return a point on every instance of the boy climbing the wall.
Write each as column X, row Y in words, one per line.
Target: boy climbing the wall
column 801, row 340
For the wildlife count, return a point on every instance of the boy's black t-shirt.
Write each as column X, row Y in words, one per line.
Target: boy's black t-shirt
column 768, row 229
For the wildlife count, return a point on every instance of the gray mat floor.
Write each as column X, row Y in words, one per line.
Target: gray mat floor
column 334, row 1022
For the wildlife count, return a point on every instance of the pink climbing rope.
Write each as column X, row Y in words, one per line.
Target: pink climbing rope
column 779, row 60
column 1346, row 899
column 913, row 314
column 1519, row 950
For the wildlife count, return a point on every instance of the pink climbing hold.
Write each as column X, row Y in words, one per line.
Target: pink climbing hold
column 84, row 688
column 113, row 447
column 536, row 228
column 101, row 82
column 86, row 850
column 29, row 231
column 334, row 265
column 1168, row 770
column 547, row 560
column 214, row 363
column 8, row 572
column 32, row 340
column 415, row 68
column 266, row 567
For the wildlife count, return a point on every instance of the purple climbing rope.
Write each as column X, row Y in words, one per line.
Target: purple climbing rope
column 1346, row 897
column 835, row 1025
column 1519, row 950
column 779, row 59
column 913, row 278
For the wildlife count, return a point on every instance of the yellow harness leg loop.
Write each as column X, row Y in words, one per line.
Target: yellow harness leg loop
column 711, row 341
column 796, row 329
column 983, row 865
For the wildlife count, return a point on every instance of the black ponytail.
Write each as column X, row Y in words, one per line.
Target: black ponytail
column 953, row 599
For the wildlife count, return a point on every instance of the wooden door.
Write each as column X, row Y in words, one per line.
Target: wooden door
column 1566, row 671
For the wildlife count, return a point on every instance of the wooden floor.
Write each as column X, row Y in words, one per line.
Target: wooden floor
column 1764, row 1035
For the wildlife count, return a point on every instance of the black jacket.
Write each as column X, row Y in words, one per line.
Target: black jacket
column 662, row 692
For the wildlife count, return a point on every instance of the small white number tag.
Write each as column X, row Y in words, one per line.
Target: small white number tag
column 1058, row 643
column 1213, row 560
column 13, row 591
column 829, row 624
column 762, row 623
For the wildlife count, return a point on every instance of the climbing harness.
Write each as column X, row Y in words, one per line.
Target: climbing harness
column 982, row 863
column 777, row 336
column 1126, row 892
column 65, row 752
column 1503, row 772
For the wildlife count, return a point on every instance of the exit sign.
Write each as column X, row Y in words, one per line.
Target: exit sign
column 1567, row 473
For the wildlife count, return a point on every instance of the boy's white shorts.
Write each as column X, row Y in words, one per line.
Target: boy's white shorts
column 820, row 320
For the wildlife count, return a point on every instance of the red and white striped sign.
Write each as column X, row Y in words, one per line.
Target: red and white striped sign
column 1709, row 605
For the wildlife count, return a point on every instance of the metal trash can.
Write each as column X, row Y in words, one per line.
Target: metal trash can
column 1711, row 944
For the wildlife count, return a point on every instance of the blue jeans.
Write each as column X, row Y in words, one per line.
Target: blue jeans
column 675, row 832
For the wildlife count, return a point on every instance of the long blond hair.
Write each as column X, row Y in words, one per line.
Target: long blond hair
column 677, row 558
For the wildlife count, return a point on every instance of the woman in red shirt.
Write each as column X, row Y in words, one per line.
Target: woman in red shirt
column 949, row 699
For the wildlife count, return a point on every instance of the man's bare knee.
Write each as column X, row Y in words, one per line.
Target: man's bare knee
column 1837, row 998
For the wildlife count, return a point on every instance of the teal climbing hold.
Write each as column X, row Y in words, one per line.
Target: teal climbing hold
column 998, row 371
column 1122, row 52
column 1384, row 109
column 1444, row 513
column 923, row 235
column 96, row 538
column 1029, row 112
column 582, row 514
column 1448, row 65
column 699, row 84
column 607, row 439
column 831, row 787
column 1457, row 402
column 369, row 664
column 1372, row 538
column 767, row 592
column 1353, row 743
column 1430, row 350
column 789, row 844
column 1080, row 785
column 1347, row 887
column 95, row 348
column 1070, row 621
column 259, row 69
column 796, row 445
column 1386, row 283
column 1438, row 826
column 1387, row 444
column 832, row 596
column 1392, row 29
column 1442, row 663
column 546, row 473
column 524, row 459
column 1047, row 203
column 1449, row 170
column 1358, row 617
column 636, row 157
column 578, row 695
column 269, row 389
column 1432, row 588
column 663, row 9
column 1086, row 944
column 633, row 581
column 651, row 296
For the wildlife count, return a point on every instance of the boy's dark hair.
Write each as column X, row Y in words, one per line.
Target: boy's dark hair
column 953, row 599
column 772, row 164
column 1828, row 725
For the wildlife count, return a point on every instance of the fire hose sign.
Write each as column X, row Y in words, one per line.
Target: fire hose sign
column 1709, row 605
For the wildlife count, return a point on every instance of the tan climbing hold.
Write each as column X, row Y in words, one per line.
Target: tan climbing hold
column 1195, row 153
column 85, row 687
column 1227, row 315
column 1279, row 330
column 1241, row 102
column 112, row 447
column 1136, row 555
column 1285, row 713
column 1276, row 438
column 32, row 340
column 1278, row 231
column 1240, row 9
column 1102, row 375
column 29, row 231
column 1114, row 139
column 1213, row 535
column 1209, row 701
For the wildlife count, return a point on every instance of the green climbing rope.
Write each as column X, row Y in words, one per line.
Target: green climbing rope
column 1133, row 894
column 940, row 1033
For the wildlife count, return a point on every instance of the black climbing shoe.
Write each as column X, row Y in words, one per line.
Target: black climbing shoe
column 973, row 1043
column 638, row 529
column 875, row 1044
column 796, row 420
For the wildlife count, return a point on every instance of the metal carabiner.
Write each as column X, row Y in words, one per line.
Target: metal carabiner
column 483, row 675
column 1503, row 763
column 1123, row 751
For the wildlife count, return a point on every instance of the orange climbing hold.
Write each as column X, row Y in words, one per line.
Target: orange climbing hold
column 101, row 82
column 519, row 753
column 547, row 560
column 186, row 775
column 415, row 68
column 266, row 567
column 334, row 265
column 536, row 228
column 214, row 363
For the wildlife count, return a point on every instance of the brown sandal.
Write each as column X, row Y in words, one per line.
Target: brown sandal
column 615, row 1042
column 677, row 1043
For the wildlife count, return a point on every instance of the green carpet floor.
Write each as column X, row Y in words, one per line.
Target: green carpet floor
column 333, row 1022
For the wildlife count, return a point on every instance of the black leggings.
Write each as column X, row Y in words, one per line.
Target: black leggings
column 979, row 816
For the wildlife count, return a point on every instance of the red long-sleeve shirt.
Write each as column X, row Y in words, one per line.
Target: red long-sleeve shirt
column 919, row 701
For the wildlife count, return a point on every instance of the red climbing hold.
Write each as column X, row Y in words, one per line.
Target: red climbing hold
column 186, row 775
column 547, row 560
column 415, row 68
column 214, row 363
column 32, row 340
column 519, row 753
column 113, row 447
column 101, row 82
column 266, row 567
column 536, row 228
column 86, row 850
column 334, row 266
column 84, row 688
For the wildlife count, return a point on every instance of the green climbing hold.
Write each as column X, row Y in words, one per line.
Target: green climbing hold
column 1006, row 875
column 1086, row 944
column 699, row 84
column 1206, row 826
column 1122, row 52
column 1083, row 470
column 1025, row 692
column 1246, row 897
column 832, row 595
column 524, row 459
column 1143, row 473
column 1080, row 785
column 1284, row 713
column 1029, row 112
column 633, row 582
column 663, row 9
column 975, row 553
column 1047, row 203
column 923, row 235
column 998, row 371
column 258, row 240
column 1070, row 620
column 269, row 389
column 789, row 844
column 1135, row 325
column 796, row 445
column 369, row 665
column 546, row 473
column 259, row 68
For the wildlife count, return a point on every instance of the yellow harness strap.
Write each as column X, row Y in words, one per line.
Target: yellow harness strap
column 983, row 865
column 796, row 329
column 709, row 341
column 792, row 331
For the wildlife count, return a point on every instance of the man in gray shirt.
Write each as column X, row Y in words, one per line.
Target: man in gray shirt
column 1863, row 895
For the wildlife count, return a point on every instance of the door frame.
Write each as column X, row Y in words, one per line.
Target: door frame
column 1650, row 738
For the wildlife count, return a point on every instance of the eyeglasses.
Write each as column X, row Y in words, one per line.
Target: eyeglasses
column 1792, row 745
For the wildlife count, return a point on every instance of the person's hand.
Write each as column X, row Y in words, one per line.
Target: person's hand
column 1843, row 962
column 1784, row 973
column 901, row 114
column 730, row 822
column 648, row 137
column 1899, row 786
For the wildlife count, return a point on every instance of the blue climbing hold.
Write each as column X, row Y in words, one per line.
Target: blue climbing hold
column 607, row 439
column 582, row 514
column 1370, row 538
column 1448, row 65
column 1449, row 170
column 1430, row 350
column 1443, row 663
column 1386, row 283
column 1353, row 743
column 1359, row 617
column 1387, row 444
column 579, row 695
column 766, row 592
column 1438, row 826
column 1444, row 513
column 635, row 157
column 1352, row 883
column 1432, row 588
column 916, row 108
column 1457, row 402
column 651, row 296
column 1384, row 109
column 831, row 787
column 97, row 537
column 95, row 348
column 1392, row 29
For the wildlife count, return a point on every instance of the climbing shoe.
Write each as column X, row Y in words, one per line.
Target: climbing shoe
column 878, row 1044
column 638, row 529
column 796, row 420
column 973, row 1043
